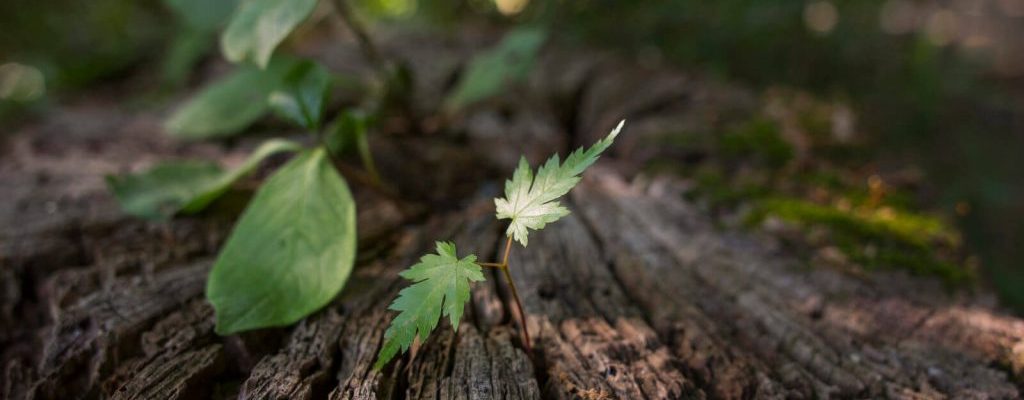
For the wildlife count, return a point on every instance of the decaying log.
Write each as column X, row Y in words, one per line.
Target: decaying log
column 636, row 294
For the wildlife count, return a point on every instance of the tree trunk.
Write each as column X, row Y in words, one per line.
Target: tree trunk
column 636, row 294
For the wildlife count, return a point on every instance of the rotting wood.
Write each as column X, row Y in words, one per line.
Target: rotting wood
column 636, row 295
column 752, row 299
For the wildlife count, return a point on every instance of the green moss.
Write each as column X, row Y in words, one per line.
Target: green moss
column 875, row 237
column 758, row 139
column 720, row 192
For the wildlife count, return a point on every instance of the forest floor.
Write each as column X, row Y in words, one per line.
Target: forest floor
column 663, row 282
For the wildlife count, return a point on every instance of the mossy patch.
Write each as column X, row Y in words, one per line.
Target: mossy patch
column 875, row 237
column 751, row 173
column 759, row 139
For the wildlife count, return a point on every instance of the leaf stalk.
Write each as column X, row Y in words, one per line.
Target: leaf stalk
column 365, row 44
column 503, row 266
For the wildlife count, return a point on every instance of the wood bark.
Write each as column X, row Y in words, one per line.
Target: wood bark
column 636, row 294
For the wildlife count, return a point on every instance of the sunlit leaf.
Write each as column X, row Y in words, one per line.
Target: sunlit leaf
column 490, row 72
column 290, row 253
column 302, row 95
column 184, row 186
column 259, row 26
column 532, row 202
column 230, row 104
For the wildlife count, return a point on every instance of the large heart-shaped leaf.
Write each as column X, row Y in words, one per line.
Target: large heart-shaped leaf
column 184, row 186
column 258, row 26
column 229, row 105
column 290, row 253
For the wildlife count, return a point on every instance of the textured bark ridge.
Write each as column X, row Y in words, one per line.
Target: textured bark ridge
column 634, row 295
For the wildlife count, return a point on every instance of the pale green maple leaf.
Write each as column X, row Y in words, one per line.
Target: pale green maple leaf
column 531, row 203
column 441, row 284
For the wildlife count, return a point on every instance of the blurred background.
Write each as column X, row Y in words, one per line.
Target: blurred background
column 913, row 108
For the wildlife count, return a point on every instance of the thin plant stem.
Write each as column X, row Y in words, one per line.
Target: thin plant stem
column 491, row 265
column 367, row 157
column 508, row 250
column 365, row 44
column 515, row 294
column 519, row 305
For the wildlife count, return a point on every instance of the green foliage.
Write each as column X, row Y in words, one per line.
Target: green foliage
column 302, row 95
column 259, row 26
column 489, row 73
column 202, row 15
column 759, row 139
column 194, row 38
column 531, row 203
column 348, row 133
column 875, row 237
column 343, row 134
column 290, row 253
column 164, row 189
column 229, row 105
column 186, row 49
column 440, row 285
column 186, row 186
column 79, row 43
column 441, row 281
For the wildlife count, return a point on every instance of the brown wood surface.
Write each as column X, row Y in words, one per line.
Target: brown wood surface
column 635, row 295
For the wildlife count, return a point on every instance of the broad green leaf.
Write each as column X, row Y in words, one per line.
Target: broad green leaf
column 531, row 202
column 302, row 95
column 184, row 186
column 258, row 26
column 291, row 251
column 229, row 105
column 440, row 285
column 186, row 49
column 398, row 88
column 343, row 134
column 348, row 133
column 489, row 72
column 224, row 181
column 162, row 190
column 202, row 15
column 194, row 36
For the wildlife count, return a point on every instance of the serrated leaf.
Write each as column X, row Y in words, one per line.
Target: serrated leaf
column 184, row 186
column 259, row 26
column 489, row 72
column 531, row 203
column 230, row 104
column 441, row 286
column 291, row 251
column 302, row 95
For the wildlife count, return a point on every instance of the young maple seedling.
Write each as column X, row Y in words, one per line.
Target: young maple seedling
column 441, row 281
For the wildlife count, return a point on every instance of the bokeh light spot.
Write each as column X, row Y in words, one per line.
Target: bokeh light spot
column 22, row 83
column 821, row 16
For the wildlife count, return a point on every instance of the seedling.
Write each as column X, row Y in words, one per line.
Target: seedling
column 441, row 280
column 294, row 246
